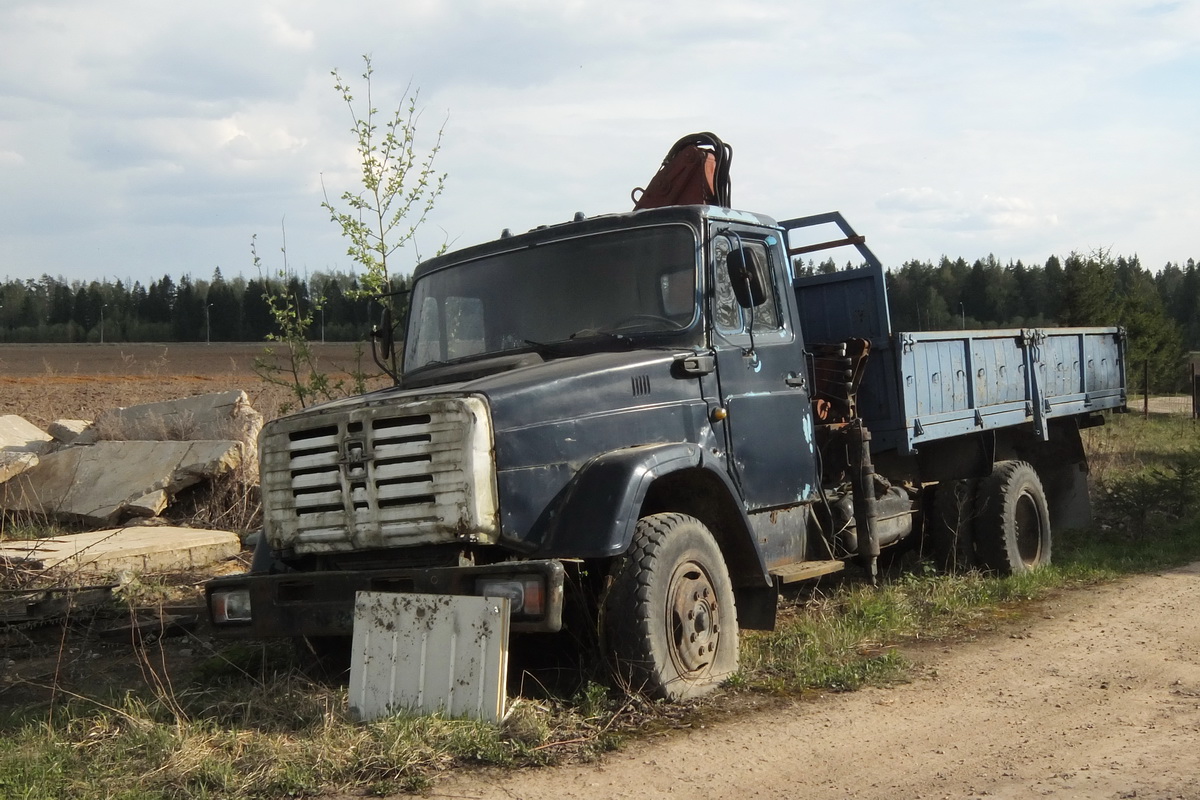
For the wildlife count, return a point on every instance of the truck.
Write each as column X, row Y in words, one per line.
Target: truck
column 644, row 424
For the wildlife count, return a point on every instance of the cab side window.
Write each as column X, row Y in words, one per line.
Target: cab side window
column 728, row 316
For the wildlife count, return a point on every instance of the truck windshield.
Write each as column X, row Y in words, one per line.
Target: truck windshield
column 622, row 284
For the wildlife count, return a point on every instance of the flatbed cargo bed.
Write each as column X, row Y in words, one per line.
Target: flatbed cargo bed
column 957, row 382
column 919, row 387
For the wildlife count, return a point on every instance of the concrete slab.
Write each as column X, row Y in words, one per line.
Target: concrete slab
column 18, row 434
column 108, row 482
column 221, row 415
column 67, row 430
column 14, row 462
column 140, row 549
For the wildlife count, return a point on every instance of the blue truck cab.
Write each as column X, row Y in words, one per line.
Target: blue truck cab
column 651, row 414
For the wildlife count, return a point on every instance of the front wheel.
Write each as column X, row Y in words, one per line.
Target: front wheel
column 668, row 615
column 1012, row 531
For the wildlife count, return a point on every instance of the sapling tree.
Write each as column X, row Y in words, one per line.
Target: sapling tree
column 399, row 185
column 292, row 361
column 398, row 189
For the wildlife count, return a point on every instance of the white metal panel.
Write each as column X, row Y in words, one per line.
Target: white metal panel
column 425, row 654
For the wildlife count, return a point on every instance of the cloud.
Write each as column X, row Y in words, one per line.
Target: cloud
column 914, row 199
column 283, row 33
column 178, row 130
column 928, row 223
column 927, row 208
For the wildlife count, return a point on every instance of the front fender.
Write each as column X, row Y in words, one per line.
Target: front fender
column 601, row 507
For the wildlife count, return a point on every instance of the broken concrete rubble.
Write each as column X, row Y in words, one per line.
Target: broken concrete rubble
column 20, row 444
column 66, row 431
column 18, row 434
column 130, row 462
column 207, row 417
column 110, row 481
column 13, row 463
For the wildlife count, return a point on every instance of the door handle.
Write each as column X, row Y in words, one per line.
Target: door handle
column 698, row 364
column 798, row 381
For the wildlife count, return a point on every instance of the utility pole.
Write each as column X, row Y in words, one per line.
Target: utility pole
column 1195, row 391
column 207, row 324
column 102, row 307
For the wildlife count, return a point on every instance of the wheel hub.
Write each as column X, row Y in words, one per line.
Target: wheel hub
column 1028, row 525
column 695, row 618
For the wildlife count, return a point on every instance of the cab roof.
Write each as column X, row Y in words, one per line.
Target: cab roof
column 691, row 215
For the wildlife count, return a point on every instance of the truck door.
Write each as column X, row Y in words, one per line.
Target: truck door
column 762, row 378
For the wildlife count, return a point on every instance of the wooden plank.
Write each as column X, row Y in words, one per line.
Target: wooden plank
column 805, row 570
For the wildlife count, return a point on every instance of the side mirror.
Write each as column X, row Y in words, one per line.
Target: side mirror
column 748, row 276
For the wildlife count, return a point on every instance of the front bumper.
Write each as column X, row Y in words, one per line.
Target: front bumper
column 322, row 603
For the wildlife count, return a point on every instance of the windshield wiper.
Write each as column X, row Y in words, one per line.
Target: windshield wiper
column 578, row 340
column 594, row 333
column 452, row 361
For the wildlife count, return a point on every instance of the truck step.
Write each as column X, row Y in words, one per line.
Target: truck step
column 807, row 569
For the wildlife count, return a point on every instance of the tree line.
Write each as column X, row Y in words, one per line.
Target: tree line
column 218, row 310
column 1160, row 310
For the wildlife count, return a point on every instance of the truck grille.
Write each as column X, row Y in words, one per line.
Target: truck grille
column 380, row 476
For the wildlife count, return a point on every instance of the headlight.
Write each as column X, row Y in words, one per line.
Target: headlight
column 526, row 595
column 230, row 605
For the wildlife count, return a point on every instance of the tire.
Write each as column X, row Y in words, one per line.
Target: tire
column 951, row 526
column 668, row 617
column 1012, row 531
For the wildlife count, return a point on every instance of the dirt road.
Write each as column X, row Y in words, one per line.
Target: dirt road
column 1097, row 695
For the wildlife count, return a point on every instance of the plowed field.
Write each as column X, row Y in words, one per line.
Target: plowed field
column 45, row 382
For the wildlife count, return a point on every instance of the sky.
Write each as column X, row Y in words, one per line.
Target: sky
column 141, row 138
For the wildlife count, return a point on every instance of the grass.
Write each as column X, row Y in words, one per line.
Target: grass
column 246, row 724
column 24, row 528
column 232, row 734
column 94, row 750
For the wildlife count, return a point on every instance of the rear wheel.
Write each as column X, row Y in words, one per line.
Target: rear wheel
column 669, row 616
column 1012, row 534
column 951, row 525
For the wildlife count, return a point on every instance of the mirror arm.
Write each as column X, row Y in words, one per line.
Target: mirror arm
column 376, row 335
column 383, row 344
